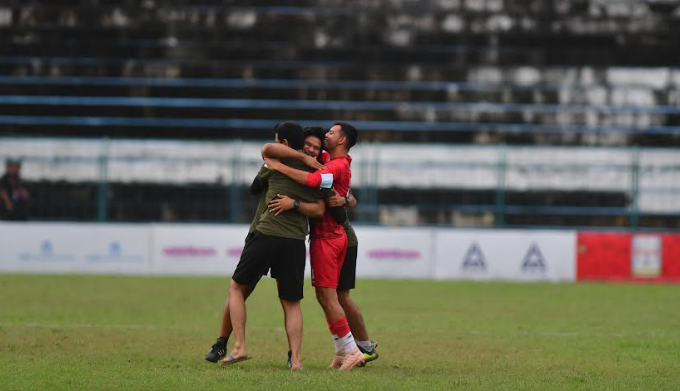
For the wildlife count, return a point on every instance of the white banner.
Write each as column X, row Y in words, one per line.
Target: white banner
column 394, row 252
column 508, row 255
column 384, row 252
column 197, row 249
column 74, row 248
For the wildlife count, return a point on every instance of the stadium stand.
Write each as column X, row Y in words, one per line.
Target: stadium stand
column 574, row 73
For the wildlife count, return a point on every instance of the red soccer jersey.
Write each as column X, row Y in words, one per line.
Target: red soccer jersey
column 341, row 171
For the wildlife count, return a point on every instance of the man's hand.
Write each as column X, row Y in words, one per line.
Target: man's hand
column 272, row 164
column 280, row 204
column 313, row 163
column 336, row 200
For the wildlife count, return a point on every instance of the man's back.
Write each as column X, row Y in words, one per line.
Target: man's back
column 263, row 182
column 289, row 224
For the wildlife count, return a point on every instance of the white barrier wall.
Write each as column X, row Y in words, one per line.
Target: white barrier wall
column 384, row 252
column 75, row 248
column 196, row 249
column 394, row 252
column 507, row 255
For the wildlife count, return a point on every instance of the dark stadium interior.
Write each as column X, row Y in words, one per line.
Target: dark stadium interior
column 484, row 73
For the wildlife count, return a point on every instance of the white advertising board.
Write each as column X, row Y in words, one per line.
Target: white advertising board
column 197, row 249
column 74, row 248
column 507, row 255
column 384, row 252
column 394, row 252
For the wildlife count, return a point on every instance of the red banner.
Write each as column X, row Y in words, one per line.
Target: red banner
column 628, row 256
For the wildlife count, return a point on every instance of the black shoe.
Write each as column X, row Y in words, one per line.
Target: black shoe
column 290, row 359
column 217, row 352
column 370, row 355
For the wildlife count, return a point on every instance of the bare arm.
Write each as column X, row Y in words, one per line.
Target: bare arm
column 282, row 203
column 336, row 200
column 298, row 176
column 280, row 151
column 352, row 201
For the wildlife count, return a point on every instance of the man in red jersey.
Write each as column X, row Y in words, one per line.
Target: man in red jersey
column 336, row 205
column 329, row 240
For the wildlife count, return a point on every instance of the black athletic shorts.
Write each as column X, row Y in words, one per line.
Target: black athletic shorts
column 283, row 256
column 348, row 273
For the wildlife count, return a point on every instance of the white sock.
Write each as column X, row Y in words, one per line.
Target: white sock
column 338, row 345
column 348, row 343
column 367, row 345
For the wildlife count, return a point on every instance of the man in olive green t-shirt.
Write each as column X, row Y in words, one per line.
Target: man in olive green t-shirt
column 275, row 243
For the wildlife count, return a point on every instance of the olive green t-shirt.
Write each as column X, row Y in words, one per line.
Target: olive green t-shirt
column 352, row 240
column 262, row 175
column 291, row 223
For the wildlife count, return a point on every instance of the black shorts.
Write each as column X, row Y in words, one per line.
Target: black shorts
column 285, row 258
column 348, row 273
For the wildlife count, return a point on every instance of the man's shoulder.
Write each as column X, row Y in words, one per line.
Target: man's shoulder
column 263, row 170
column 339, row 163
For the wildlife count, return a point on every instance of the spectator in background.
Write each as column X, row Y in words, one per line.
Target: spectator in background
column 13, row 195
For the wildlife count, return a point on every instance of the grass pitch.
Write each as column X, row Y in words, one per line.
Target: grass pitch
column 100, row 332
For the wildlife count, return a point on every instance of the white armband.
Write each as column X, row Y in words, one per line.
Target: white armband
column 326, row 181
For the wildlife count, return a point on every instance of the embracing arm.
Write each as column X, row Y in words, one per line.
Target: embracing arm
column 282, row 203
column 299, row 176
column 336, row 200
column 352, row 201
column 313, row 210
column 280, row 151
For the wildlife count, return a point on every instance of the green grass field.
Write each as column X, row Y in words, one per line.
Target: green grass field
column 100, row 332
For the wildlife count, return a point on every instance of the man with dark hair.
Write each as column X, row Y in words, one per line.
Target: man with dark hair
column 313, row 147
column 329, row 240
column 276, row 243
column 13, row 195
column 314, row 143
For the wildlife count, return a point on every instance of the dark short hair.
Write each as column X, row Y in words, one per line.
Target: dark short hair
column 350, row 132
column 292, row 132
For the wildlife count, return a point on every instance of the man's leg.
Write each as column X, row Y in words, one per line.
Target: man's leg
column 327, row 257
column 328, row 299
column 334, row 317
column 347, row 354
column 346, row 282
column 292, row 315
column 247, row 271
column 219, row 349
column 289, row 271
column 237, row 312
column 354, row 316
column 358, row 327
column 226, row 327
